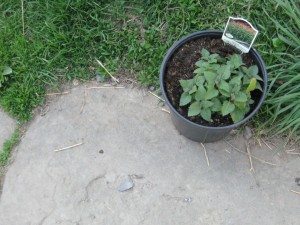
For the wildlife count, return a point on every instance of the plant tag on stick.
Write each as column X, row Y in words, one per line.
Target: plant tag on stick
column 240, row 34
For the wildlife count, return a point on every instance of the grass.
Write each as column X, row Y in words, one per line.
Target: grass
column 63, row 38
column 8, row 146
column 283, row 101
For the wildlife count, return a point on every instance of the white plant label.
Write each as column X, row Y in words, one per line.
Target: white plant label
column 239, row 33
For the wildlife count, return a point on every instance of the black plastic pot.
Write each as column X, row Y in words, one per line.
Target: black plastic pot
column 193, row 130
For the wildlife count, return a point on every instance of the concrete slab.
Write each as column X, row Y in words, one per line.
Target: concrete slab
column 126, row 134
column 7, row 127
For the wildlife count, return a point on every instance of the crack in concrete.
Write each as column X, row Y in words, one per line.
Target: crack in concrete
column 90, row 183
column 52, row 210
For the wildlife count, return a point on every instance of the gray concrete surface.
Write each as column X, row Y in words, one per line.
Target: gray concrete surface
column 172, row 182
column 7, row 126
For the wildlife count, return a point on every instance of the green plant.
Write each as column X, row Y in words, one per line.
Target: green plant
column 8, row 145
column 3, row 76
column 283, row 99
column 221, row 85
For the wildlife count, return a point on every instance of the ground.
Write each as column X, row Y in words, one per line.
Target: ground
column 123, row 133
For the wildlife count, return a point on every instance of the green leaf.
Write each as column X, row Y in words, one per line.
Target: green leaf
column 237, row 115
column 246, row 80
column 205, row 53
column 244, row 70
column 212, row 60
column 207, row 104
column 235, row 80
column 211, row 93
column 235, row 88
column 199, row 63
column 7, row 70
column 241, row 97
column 215, row 66
column 194, row 89
column 185, row 99
column 278, row 44
column 224, row 93
column 186, row 85
column 253, row 70
column 251, row 101
column 227, row 108
column 258, row 77
column 236, row 60
column 200, row 93
column 194, row 109
column 258, row 86
column 224, row 71
column 199, row 70
column 251, row 86
column 210, row 77
column 217, row 105
column 206, row 114
column 199, row 81
column 240, row 105
column 224, row 86
column 205, row 65
column 214, row 56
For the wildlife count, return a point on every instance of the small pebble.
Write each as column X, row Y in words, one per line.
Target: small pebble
column 188, row 199
column 151, row 88
column 101, row 151
column 247, row 133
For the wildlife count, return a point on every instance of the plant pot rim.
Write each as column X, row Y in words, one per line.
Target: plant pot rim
column 200, row 34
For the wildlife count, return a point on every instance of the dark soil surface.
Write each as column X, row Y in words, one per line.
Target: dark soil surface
column 181, row 66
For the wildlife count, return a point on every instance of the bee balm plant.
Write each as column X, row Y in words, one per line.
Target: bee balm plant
column 220, row 86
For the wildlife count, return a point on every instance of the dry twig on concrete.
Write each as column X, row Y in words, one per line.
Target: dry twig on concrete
column 65, row 148
column 207, row 161
column 165, row 110
column 250, row 158
column 293, row 153
column 156, row 96
column 84, row 101
column 106, row 87
column 254, row 157
column 266, row 144
column 296, row 192
column 57, row 93
column 247, row 133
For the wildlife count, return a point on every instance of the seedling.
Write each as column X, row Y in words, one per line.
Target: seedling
column 221, row 85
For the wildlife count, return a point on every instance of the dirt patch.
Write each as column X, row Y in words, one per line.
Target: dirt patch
column 182, row 65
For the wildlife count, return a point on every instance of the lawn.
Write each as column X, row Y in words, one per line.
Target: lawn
column 60, row 41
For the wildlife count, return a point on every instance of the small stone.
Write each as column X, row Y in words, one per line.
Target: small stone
column 189, row 199
column 101, row 151
column 151, row 88
column 126, row 185
column 247, row 133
